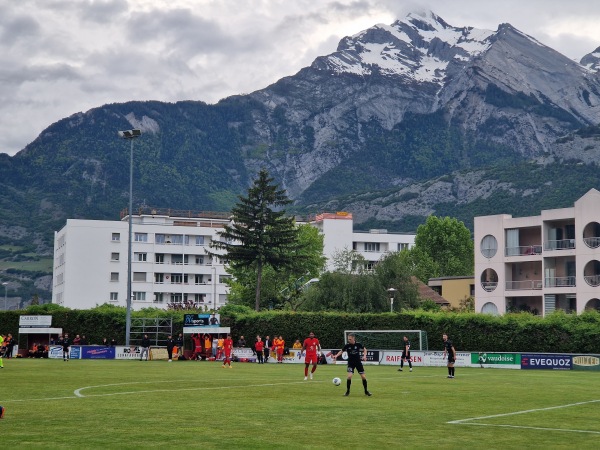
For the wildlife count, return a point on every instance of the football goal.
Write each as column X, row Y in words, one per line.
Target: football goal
column 390, row 339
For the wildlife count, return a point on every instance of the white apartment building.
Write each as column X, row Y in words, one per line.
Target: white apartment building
column 338, row 235
column 170, row 262
column 539, row 263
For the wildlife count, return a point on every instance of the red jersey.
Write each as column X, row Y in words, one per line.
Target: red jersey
column 228, row 345
column 197, row 341
column 259, row 346
column 311, row 345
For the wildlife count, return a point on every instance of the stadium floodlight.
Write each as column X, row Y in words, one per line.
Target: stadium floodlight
column 131, row 135
column 391, row 291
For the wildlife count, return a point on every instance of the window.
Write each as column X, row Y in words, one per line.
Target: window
column 141, row 257
column 159, row 277
column 139, row 276
column 370, row 265
column 199, row 298
column 177, row 239
column 489, row 246
column 198, row 279
column 199, row 240
column 139, row 296
column 224, row 278
column 176, row 298
column 199, row 259
column 116, row 237
column 176, row 278
column 402, row 246
column 159, row 258
column 141, row 237
column 114, row 276
column 159, row 239
column 114, row 256
column 114, row 296
column 158, row 297
column 179, row 259
column 371, row 246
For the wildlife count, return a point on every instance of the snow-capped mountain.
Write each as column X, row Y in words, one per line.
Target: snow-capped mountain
column 504, row 88
column 592, row 60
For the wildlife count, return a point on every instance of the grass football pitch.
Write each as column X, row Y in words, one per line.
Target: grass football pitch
column 135, row 404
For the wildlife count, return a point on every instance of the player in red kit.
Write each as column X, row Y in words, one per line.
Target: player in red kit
column 197, row 346
column 227, row 349
column 312, row 346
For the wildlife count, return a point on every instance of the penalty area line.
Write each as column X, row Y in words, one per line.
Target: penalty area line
column 528, row 428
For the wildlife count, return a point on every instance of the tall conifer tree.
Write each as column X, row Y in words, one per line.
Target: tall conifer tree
column 260, row 234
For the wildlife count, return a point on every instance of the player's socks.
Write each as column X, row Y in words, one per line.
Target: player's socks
column 401, row 364
column 348, row 383
column 452, row 371
column 365, row 386
column 305, row 371
column 449, row 371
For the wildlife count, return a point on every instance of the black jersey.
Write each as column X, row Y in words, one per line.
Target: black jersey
column 448, row 347
column 406, row 348
column 355, row 352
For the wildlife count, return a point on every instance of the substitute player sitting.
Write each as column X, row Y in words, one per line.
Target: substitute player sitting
column 354, row 349
column 312, row 346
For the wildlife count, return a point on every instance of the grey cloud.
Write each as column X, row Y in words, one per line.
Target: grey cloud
column 102, row 11
column 19, row 28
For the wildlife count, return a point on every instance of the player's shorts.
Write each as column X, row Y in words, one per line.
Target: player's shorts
column 228, row 354
column 311, row 359
column 405, row 355
column 451, row 360
column 358, row 366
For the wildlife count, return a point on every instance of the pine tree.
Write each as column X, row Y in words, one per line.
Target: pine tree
column 259, row 235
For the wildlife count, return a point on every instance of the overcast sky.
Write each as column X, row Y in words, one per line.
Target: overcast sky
column 60, row 57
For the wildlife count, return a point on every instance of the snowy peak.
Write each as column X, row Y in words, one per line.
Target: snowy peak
column 592, row 61
column 419, row 47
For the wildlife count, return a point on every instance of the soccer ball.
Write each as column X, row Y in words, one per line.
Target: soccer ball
column 336, row 381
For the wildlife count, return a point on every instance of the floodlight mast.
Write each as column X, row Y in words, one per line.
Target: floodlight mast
column 131, row 135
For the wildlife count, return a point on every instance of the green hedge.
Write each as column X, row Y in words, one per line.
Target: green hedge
column 559, row 332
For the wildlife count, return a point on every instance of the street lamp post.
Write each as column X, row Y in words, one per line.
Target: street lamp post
column 131, row 135
column 391, row 291
column 5, row 284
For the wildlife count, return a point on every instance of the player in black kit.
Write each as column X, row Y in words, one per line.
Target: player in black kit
column 353, row 350
column 405, row 355
column 451, row 352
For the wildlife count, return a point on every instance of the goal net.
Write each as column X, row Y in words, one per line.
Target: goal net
column 389, row 339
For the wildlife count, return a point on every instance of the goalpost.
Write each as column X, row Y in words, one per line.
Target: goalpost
column 390, row 339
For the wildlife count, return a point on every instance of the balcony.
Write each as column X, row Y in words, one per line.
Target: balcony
column 523, row 250
column 489, row 286
column 525, row 285
column 563, row 244
column 592, row 280
column 560, row 282
column 592, row 242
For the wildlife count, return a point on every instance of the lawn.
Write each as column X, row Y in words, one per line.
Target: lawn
column 135, row 404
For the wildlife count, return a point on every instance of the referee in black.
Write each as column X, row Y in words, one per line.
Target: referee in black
column 354, row 349
column 405, row 355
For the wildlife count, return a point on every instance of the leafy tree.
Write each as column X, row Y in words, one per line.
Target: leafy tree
column 348, row 262
column 395, row 271
column 259, row 235
column 443, row 247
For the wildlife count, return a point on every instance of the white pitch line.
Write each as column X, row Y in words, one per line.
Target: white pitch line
column 460, row 421
column 530, row 428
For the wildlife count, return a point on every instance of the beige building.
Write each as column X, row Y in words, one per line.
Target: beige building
column 454, row 289
column 539, row 263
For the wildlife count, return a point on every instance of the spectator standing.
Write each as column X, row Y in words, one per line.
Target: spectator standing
column 113, row 342
column 105, row 342
column 77, row 340
column 267, row 349
column 145, row 347
column 207, row 345
column 259, row 347
column 297, row 345
column 83, row 340
column 280, row 349
column 179, row 343
column 170, row 345
column 10, row 343
column 241, row 343
column 1, row 344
